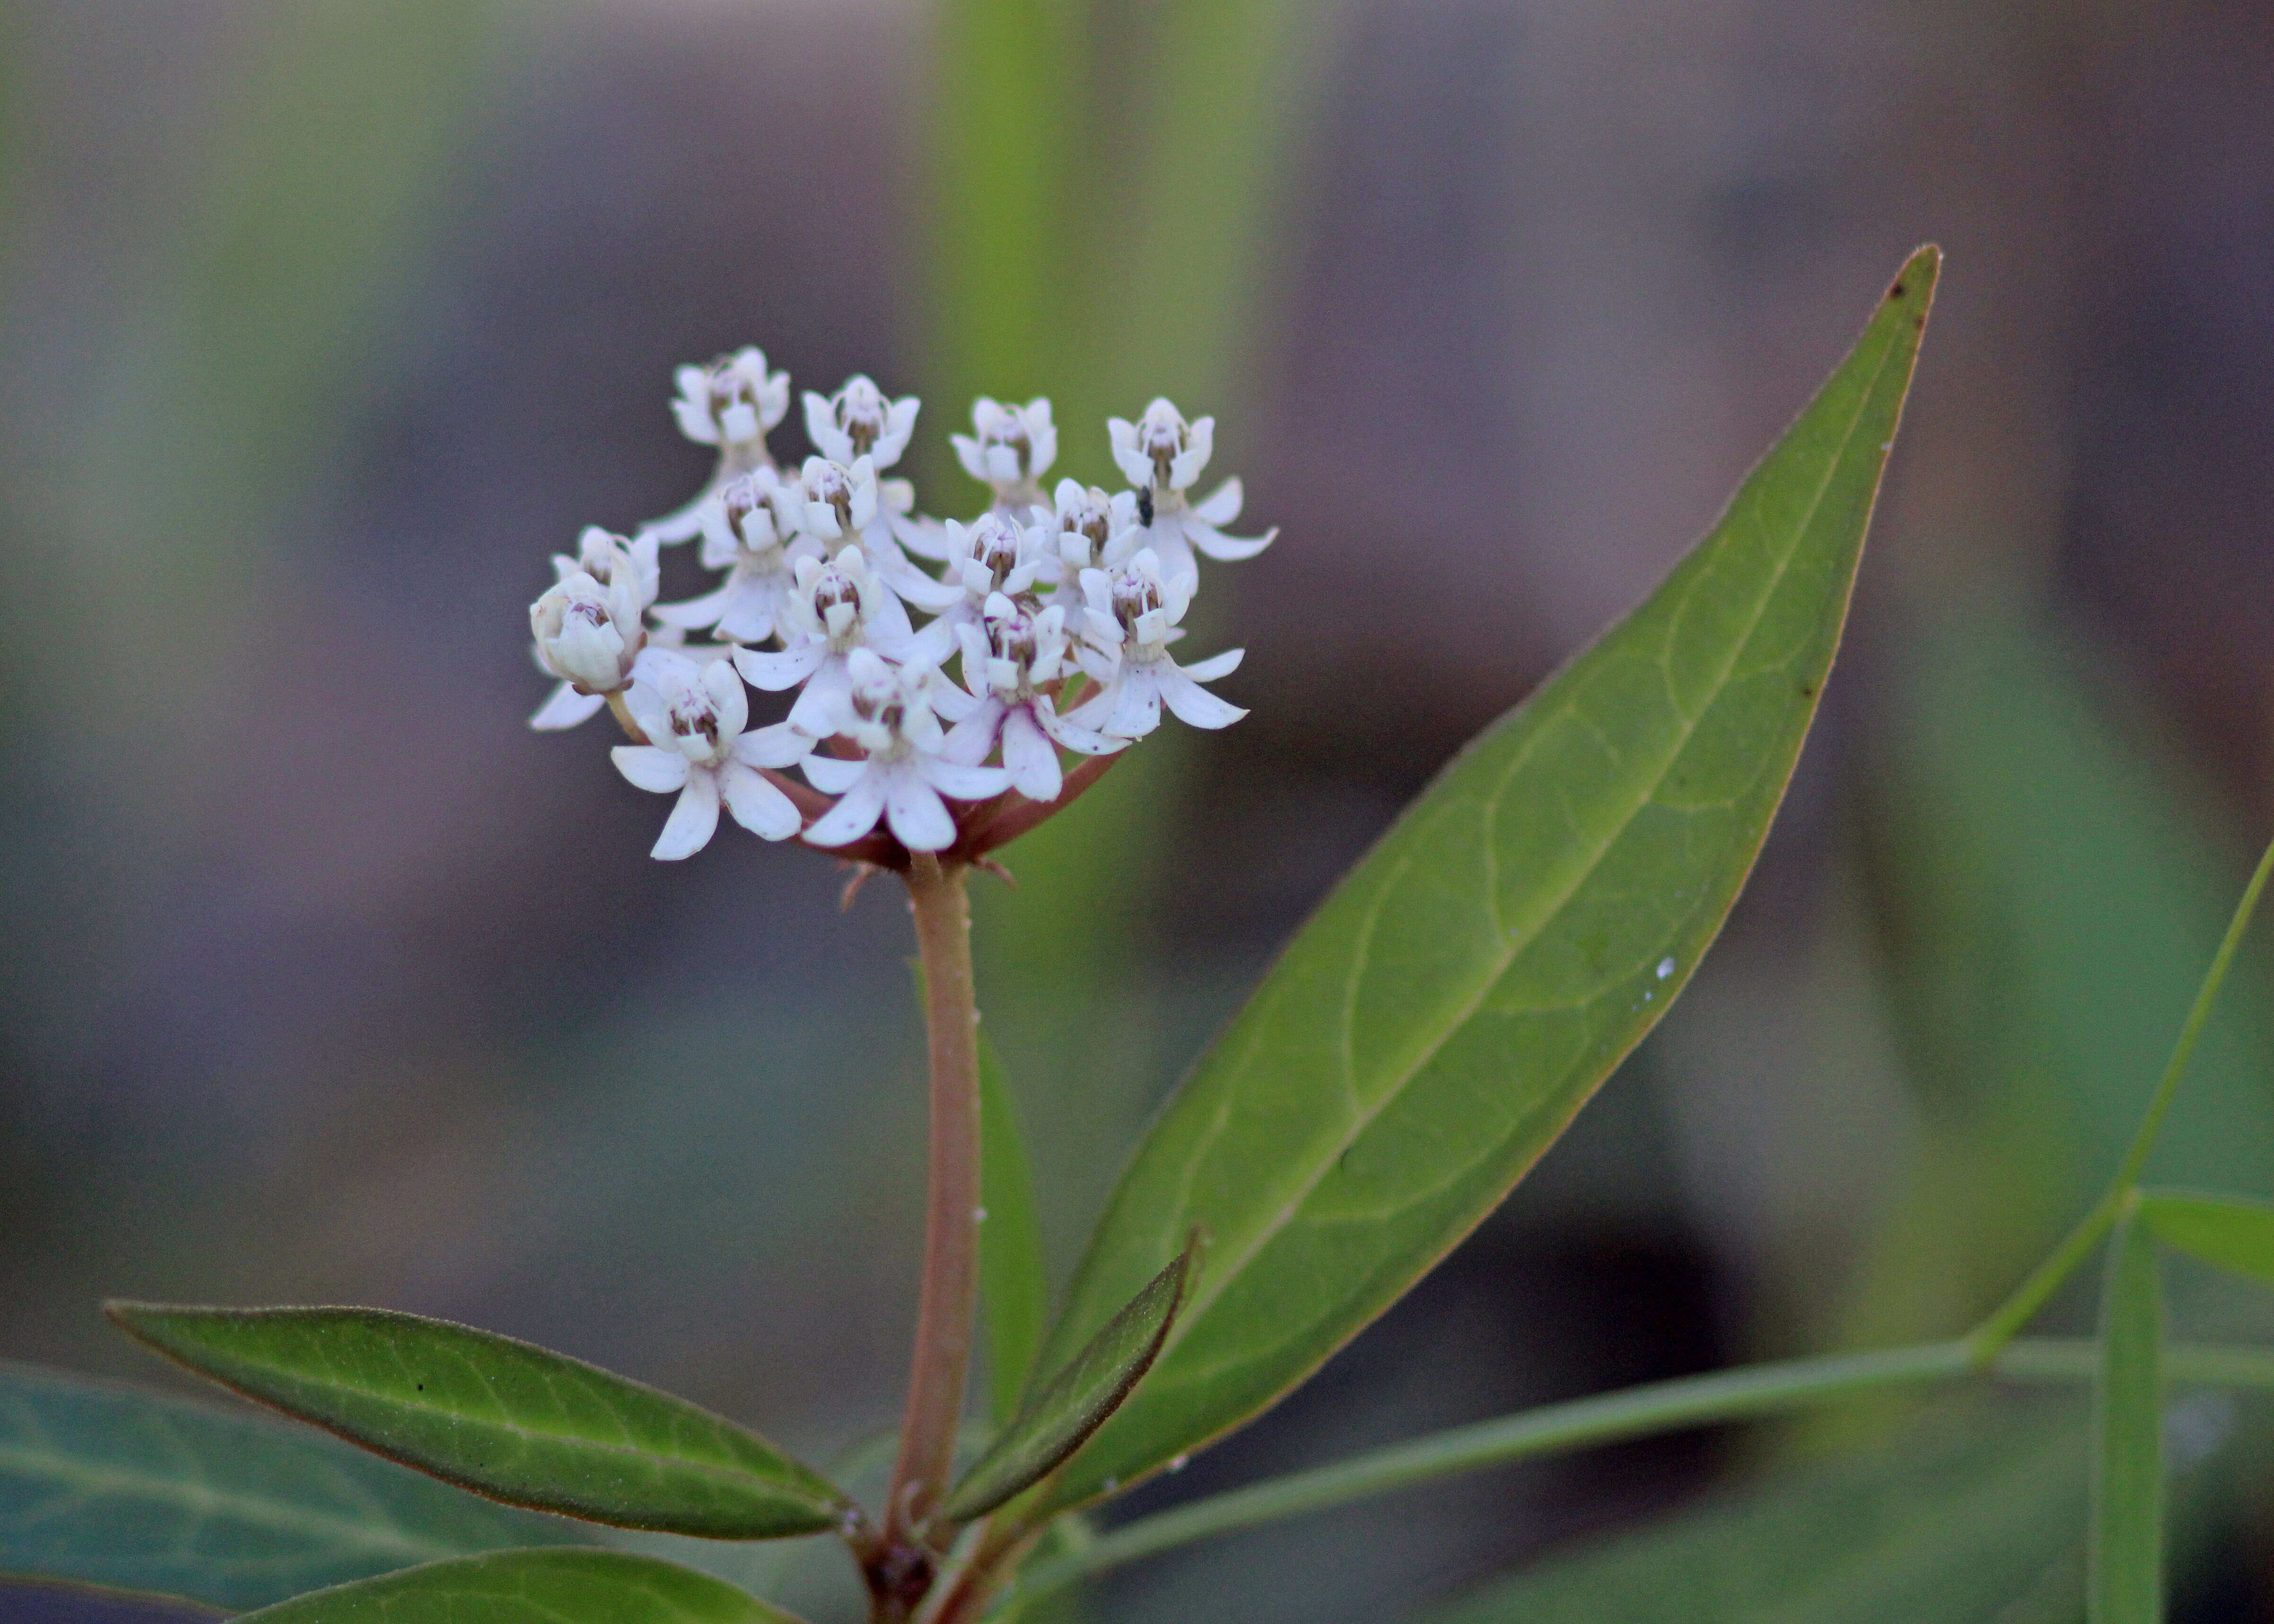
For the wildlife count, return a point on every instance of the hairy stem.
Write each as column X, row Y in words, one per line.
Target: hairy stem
column 1656, row 1407
column 951, row 1277
column 2017, row 1311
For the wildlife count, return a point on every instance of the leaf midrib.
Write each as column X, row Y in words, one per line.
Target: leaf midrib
column 1220, row 1280
column 205, row 1500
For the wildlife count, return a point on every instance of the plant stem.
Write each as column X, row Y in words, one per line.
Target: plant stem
column 623, row 712
column 2017, row 1311
column 1656, row 1407
column 951, row 1276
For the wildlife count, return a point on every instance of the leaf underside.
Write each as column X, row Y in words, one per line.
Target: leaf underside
column 1438, row 1020
column 118, row 1485
column 1074, row 1403
column 505, row 1418
column 532, row 1587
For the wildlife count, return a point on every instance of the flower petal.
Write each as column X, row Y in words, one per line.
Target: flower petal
column 1031, row 758
column 778, row 746
column 785, row 669
column 854, row 815
column 1226, row 549
column 1218, row 665
column 1222, row 505
column 566, row 708
column 757, row 805
column 961, row 782
column 651, row 767
column 918, row 816
column 833, row 775
column 692, row 822
column 1193, row 704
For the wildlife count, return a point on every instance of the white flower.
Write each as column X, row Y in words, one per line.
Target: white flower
column 1131, row 617
column 1095, row 531
column 836, row 607
column 993, row 553
column 693, row 714
column 588, row 625
column 730, row 403
column 750, row 530
column 1010, row 654
column 842, row 503
column 1013, row 448
column 889, row 713
column 1161, row 455
column 859, row 422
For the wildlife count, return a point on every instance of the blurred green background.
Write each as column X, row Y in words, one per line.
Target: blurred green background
column 325, row 980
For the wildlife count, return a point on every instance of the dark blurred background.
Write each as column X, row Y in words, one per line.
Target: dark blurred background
column 325, row 980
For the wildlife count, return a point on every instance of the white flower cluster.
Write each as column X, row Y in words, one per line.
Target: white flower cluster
column 1058, row 611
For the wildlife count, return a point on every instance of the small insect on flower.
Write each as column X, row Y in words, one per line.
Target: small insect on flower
column 1161, row 455
column 693, row 713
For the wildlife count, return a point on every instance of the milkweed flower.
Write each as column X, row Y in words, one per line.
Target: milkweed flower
column 1010, row 656
column 903, row 777
column 1131, row 616
column 1059, row 613
column 843, row 503
column 859, row 422
column 730, row 403
column 694, row 714
column 751, row 529
column 588, row 624
column 1161, row 455
column 1010, row 450
column 836, row 608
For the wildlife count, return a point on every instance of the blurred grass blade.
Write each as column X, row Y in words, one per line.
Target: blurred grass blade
column 2231, row 1231
column 504, row 1419
column 532, row 1587
column 115, row 1485
column 1949, row 1533
column 2126, row 1585
column 1075, row 1403
column 1440, row 1019
column 1014, row 1281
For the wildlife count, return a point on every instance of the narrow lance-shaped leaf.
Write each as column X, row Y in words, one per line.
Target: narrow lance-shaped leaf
column 2126, row 1585
column 1013, row 1281
column 1073, row 1404
column 1435, row 1025
column 116, row 1484
column 504, row 1419
column 532, row 1587
column 2234, row 1232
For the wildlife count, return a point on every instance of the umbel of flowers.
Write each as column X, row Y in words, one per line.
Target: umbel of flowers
column 942, row 672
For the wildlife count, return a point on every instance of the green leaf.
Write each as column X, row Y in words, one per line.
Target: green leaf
column 1013, row 1281
column 116, row 1485
column 532, row 1587
column 1074, row 1403
column 1459, row 995
column 2127, row 1583
column 502, row 1418
column 2232, row 1231
column 1951, row 1530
